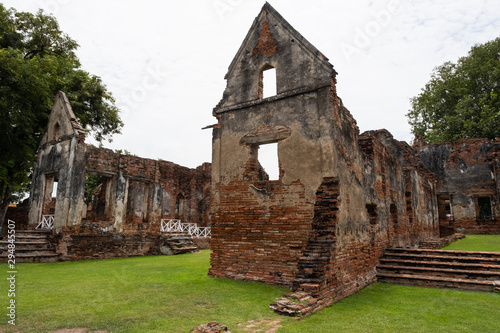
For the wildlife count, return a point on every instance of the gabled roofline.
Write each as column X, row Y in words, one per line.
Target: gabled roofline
column 297, row 36
column 77, row 130
column 69, row 111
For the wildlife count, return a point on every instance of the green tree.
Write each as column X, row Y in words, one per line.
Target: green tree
column 461, row 100
column 36, row 61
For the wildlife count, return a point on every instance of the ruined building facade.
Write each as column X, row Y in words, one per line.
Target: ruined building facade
column 468, row 182
column 122, row 215
column 340, row 199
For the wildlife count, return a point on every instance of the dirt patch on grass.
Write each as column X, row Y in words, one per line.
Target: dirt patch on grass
column 264, row 326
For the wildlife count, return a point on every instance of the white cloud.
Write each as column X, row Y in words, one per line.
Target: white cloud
column 191, row 44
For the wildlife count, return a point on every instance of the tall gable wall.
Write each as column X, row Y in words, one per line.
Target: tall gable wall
column 340, row 199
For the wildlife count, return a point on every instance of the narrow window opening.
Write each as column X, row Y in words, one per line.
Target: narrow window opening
column 57, row 130
column 394, row 214
column 447, row 209
column 409, row 207
column 267, row 82
column 444, row 208
column 179, row 206
column 54, row 189
column 50, row 194
column 371, row 209
column 484, row 206
column 268, row 160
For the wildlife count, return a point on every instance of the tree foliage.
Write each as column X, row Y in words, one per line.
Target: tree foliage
column 36, row 61
column 461, row 100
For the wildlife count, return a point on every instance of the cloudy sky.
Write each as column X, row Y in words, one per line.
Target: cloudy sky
column 165, row 61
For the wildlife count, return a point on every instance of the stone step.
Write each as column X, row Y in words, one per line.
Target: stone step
column 441, row 272
column 452, row 253
column 441, row 264
column 466, row 270
column 36, row 257
column 179, row 243
column 25, row 242
column 34, row 232
column 178, row 246
column 30, row 246
column 27, row 247
column 446, row 258
column 437, row 282
column 31, row 252
column 28, row 236
column 185, row 249
column 181, row 238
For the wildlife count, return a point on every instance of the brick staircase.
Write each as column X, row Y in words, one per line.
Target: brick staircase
column 31, row 246
column 465, row 270
column 177, row 243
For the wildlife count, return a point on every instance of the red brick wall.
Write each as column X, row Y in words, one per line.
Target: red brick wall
column 259, row 241
column 18, row 214
column 87, row 242
column 329, row 247
column 146, row 177
column 466, row 170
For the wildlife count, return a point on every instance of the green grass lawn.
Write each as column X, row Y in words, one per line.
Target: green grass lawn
column 142, row 294
column 174, row 294
column 384, row 307
column 489, row 243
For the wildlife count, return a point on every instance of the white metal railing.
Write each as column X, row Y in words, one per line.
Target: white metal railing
column 190, row 228
column 47, row 222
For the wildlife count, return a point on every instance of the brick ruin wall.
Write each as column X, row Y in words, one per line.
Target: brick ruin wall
column 147, row 191
column 84, row 242
column 341, row 198
column 18, row 214
column 468, row 176
column 328, row 243
column 124, row 216
column 399, row 211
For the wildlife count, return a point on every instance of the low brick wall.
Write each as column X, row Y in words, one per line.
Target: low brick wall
column 79, row 243
column 439, row 243
column 202, row 243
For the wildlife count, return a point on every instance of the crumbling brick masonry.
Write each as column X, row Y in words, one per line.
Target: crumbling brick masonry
column 340, row 199
column 468, row 182
column 122, row 215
